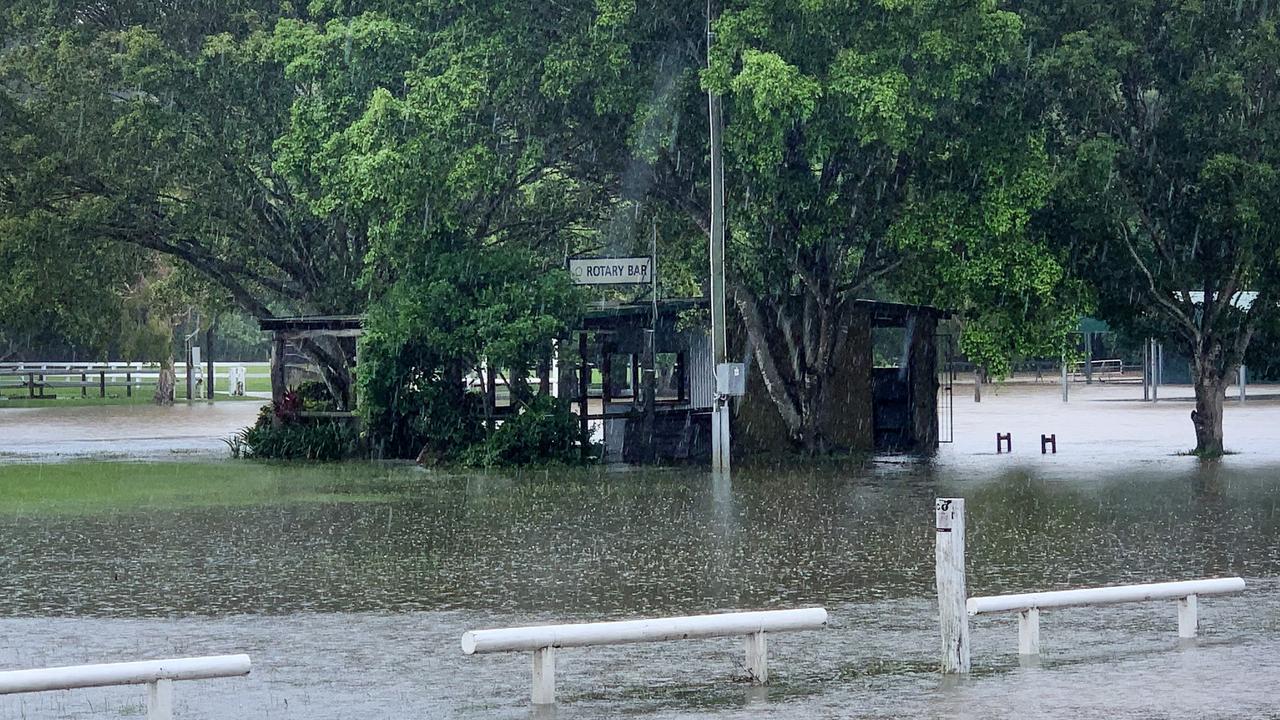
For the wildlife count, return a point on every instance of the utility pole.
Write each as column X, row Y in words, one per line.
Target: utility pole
column 719, row 342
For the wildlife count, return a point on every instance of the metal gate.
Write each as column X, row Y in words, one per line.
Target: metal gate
column 946, row 344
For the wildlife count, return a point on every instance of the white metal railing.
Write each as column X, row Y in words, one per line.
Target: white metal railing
column 1101, row 370
column 955, row 606
column 543, row 640
column 157, row 675
column 1029, row 605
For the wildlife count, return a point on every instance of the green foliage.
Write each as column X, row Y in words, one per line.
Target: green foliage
column 314, row 395
column 1162, row 118
column 546, row 430
column 429, row 162
column 436, row 325
column 280, row 434
column 320, row 441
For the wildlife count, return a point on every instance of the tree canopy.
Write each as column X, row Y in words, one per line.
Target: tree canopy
column 433, row 162
column 1162, row 119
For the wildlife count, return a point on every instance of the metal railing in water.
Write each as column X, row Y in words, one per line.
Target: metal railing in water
column 1029, row 605
column 157, row 675
column 543, row 640
column 955, row 606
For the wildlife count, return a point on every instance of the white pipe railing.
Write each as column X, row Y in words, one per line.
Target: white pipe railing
column 1029, row 605
column 543, row 640
column 157, row 675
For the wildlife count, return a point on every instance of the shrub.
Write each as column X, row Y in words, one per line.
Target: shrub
column 314, row 396
column 328, row 440
column 441, row 320
column 544, row 431
column 280, row 434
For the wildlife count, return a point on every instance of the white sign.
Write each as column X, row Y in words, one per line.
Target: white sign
column 610, row 271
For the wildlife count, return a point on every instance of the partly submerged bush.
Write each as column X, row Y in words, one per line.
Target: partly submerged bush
column 546, row 430
column 440, row 322
column 286, row 436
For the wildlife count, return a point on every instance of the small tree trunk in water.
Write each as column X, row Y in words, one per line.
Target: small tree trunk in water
column 166, row 382
column 1207, row 417
column 811, row 432
column 978, row 377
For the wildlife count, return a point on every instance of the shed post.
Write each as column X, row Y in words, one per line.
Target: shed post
column 277, row 372
column 584, row 386
column 953, row 617
column 490, row 394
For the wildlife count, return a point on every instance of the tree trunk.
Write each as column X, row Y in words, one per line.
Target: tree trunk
column 1211, row 392
column 166, row 382
column 812, row 401
column 330, row 359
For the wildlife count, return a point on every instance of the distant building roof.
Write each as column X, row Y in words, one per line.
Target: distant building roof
column 1242, row 300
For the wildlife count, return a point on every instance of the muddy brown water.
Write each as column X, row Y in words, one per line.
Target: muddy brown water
column 354, row 607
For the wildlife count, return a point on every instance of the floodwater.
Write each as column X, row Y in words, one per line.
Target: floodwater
column 351, row 585
column 123, row 431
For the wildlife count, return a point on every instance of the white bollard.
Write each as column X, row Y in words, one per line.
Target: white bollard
column 757, row 658
column 544, row 676
column 160, row 700
column 952, row 594
column 1188, row 617
column 1029, row 632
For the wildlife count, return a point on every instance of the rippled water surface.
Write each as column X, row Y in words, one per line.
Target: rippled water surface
column 350, row 585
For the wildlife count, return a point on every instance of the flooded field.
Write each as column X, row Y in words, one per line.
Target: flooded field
column 350, row 585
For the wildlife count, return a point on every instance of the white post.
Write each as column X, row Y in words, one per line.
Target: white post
column 555, row 368
column 160, row 700
column 757, row 658
column 1065, row 390
column 1188, row 619
column 1155, row 372
column 1244, row 379
column 1029, row 632
column 544, row 676
column 1159, row 363
column 949, row 555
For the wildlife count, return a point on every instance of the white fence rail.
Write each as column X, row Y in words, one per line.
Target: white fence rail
column 955, row 606
column 543, row 640
column 157, row 675
column 1029, row 605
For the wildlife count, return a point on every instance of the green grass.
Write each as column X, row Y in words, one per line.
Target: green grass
column 71, row 397
column 80, row 487
column 257, row 380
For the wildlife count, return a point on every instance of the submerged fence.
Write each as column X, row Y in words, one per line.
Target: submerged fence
column 544, row 640
column 955, row 607
column 157, row 675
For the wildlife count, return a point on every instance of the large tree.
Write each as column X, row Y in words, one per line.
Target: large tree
column 858, row 164
column 1163, row 118
column 154, row 126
